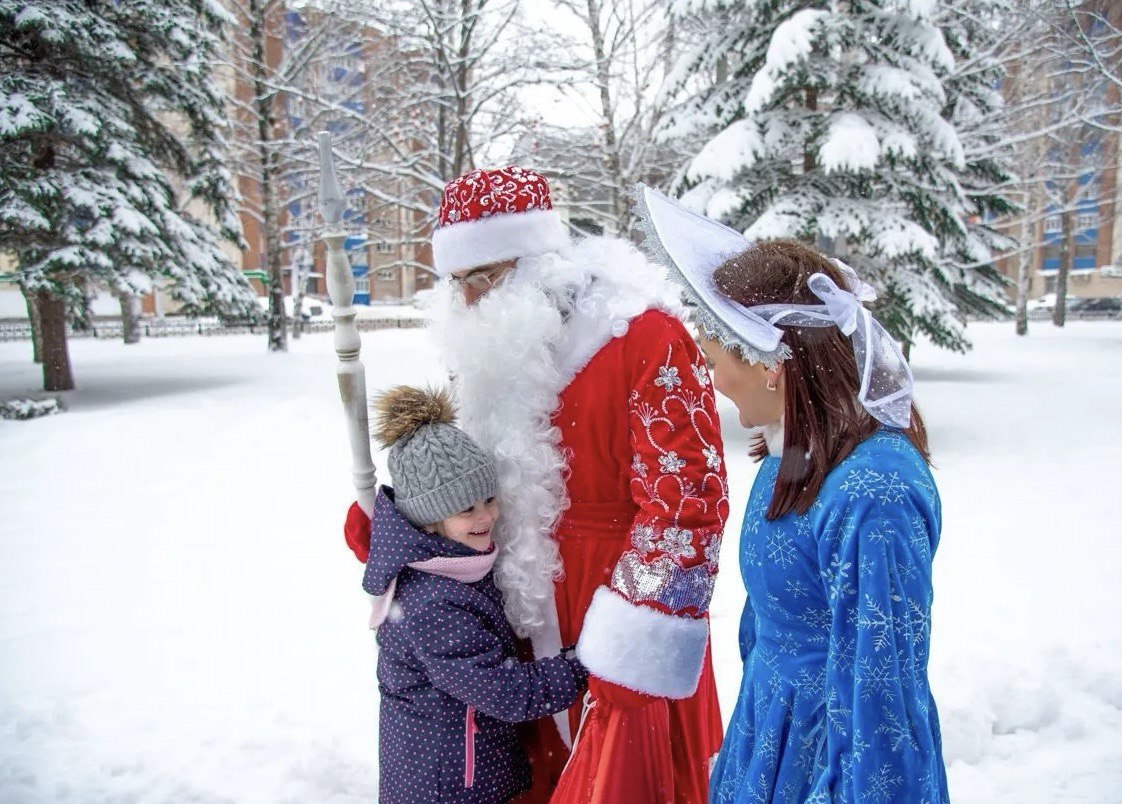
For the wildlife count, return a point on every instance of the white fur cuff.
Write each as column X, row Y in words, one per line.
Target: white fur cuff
column 469, row 244
column 641, row 648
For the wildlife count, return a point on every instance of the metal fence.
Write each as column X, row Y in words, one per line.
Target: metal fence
column 182, row 327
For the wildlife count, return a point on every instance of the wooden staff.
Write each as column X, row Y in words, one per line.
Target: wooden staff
column 349, row 371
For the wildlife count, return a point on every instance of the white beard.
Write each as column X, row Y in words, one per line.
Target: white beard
column 512, row 354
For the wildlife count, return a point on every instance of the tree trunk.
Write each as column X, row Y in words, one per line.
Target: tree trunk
column 1067, row 233
column 906, row 348
column 1067, row 259
column 464, row 158
column 270, row 215
column 1024, row 265
column 298, row 282
column 612, row 162
column 130, row 317
column 57, row 375
column 34, row 319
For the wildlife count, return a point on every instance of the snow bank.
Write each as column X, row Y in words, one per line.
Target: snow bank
column 181, row 620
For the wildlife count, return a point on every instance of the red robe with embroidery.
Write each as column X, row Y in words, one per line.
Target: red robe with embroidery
column 639, row 545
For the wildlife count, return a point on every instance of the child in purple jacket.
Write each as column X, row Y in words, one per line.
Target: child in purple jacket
column 451, row 686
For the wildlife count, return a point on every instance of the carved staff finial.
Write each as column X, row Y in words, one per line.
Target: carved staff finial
column 349, row 371
column 330, row 196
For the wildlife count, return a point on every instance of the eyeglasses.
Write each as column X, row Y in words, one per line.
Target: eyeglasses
column 482, row 279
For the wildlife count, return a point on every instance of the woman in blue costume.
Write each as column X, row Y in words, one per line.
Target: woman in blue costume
column 839, row 533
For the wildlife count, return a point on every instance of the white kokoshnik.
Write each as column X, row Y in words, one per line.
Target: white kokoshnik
column 694, row 246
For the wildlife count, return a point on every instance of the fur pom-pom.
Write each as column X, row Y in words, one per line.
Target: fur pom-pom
column 399, row 411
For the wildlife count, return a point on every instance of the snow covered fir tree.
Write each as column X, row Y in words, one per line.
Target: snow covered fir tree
column 835, row 124
column 111, row 159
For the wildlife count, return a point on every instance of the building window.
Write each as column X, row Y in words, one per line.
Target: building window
column 1086, row 220
column 362, row 284
column 384, row 275
column 383, row 247
column 1052, row 223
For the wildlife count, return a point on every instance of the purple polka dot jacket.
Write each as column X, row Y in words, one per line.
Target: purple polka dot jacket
column 451, row 687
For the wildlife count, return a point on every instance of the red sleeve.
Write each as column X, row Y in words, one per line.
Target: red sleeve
column 660, row 588
column 356, row 530
column 677, row 479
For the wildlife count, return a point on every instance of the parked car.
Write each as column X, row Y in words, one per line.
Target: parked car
column 313, row 309
column 1103, row 307
column 1047, row 303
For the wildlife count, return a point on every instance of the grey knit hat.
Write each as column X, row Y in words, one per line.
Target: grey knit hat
column 437, row 469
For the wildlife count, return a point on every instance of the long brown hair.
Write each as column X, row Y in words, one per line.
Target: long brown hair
column 823, row 419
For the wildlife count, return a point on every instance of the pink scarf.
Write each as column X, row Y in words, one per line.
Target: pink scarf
column 465, row 569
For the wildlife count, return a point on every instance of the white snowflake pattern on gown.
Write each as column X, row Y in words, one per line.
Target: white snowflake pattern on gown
column 835, row 705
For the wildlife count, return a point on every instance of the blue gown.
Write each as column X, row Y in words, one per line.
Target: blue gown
column 835, row 704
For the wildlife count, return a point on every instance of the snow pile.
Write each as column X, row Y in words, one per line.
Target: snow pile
column 28, row 408
column 181, row 620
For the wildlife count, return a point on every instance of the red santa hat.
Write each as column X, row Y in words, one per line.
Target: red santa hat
column 494, row 215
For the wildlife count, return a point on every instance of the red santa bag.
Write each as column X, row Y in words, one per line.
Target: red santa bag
column 621, row 756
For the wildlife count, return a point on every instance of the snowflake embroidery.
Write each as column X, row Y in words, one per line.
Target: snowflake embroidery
column 893, row 490
column 753, row 516
column 768, row 744
column 862, row 483
column 875, row 678
column 677, row 542
column 898, row 733
column 836, row 578
column 701, row 374
column 919, row 619
column 668, row 378
column 670, row 463
column 882, row 783
column 812, row 685
column 859, row 745
column 637, row 465
column 796, row 588
column 840, row 657
column 817, row 619
column 780, row 549
column 872, row 617
column 919, row 538
column 837, row 715
column 712, row 457
column 866, row 565
column 789, row 645
column 884, row 532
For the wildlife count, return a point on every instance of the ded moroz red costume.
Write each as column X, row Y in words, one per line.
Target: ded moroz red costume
column 577, row 373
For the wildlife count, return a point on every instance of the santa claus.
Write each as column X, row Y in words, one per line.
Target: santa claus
column 574, row 369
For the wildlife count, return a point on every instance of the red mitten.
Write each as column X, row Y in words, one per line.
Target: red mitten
column 617, row 696
column 356, row 530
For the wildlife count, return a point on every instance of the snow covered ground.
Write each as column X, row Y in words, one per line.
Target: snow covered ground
column 181, row 622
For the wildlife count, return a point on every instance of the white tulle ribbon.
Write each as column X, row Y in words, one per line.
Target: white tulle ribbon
column 886, row 378
column 694, row 246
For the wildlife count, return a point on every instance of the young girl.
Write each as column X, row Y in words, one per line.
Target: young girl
column 451, row 687
column 839, row 533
